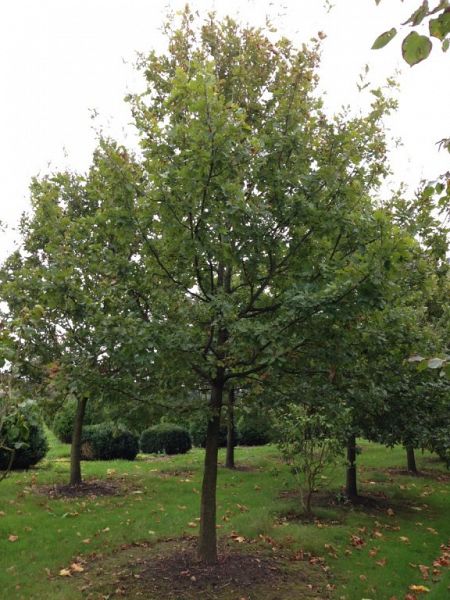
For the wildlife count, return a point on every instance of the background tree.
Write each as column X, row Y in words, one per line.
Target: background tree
column 64, row 293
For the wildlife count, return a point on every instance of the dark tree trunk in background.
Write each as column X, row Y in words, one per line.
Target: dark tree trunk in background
column 207, row 543
column 351, row 489
column 411, row 459
column 75, row 452
column 231, row 432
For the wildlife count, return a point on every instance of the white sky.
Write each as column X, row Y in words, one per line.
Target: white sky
column 61, row 58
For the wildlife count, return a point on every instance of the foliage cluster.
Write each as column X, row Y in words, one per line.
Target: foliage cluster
column 22, row 432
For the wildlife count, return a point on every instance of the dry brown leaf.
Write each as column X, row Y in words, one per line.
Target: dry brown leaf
column 425, row 571
column 65, row 573
column 419, row 589
column 13, row 538
column 76, row 568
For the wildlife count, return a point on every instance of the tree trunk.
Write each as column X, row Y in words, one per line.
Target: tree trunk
column 75, row 452
column 231, row 432
column 308, row 507
column 411, row 460
column 351, row 489
column 207, row 546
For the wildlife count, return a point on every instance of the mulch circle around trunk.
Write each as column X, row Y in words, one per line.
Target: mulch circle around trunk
column 170, row 570
column 89, row 488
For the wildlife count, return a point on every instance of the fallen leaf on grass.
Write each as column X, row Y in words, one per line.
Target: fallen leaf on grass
column 377, row 534
column 404, row 539
column 419, row 589
column 357, row 541
column 382, row 562
column 362, row 578
column 76, row 568
column 86, row 541
column 65, row 573
column 192, row 524
column 425, row 571
column 13, row 538
column 431, row 530
column 390, row 512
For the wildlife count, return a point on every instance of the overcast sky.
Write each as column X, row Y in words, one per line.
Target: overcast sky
column 60, row 59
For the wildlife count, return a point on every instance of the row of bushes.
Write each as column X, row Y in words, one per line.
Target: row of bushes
column 101, row 441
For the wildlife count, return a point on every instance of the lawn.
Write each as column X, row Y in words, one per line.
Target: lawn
column 374, row 551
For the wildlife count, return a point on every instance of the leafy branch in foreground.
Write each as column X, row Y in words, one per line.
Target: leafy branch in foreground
column 416, row 46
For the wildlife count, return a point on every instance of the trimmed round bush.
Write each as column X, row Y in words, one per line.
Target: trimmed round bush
column 106, row 442
column 34, row 445
column 125, row 445
column 254, row 430
column 165, row 437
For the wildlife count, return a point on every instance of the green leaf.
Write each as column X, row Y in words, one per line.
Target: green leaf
column 384, row 39
column 445, row 45
column 440, row 27
column 416, row 48
column 418, row 15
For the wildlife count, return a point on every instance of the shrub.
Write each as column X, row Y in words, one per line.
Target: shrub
column 106, row 442
column 254, row 430
column 198, row 433
column 62, row 425
column 24, row 433
column 165, row 437
column 440, row 443
column 126, row 445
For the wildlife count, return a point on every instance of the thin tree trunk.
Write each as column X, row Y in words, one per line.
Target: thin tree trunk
column 75, row 452
column 207, row 546
column 231, row 431
column 351, row 489
column 411, row 460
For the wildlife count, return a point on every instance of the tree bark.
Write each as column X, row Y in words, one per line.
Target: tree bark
column 207, row 545
column 231, row 431
column 351, row 489
column 75, row 451
column 411, row 460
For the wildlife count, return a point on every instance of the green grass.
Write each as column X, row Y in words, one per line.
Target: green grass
column 162, row 500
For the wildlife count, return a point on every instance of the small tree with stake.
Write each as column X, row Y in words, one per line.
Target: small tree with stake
column 310, row 441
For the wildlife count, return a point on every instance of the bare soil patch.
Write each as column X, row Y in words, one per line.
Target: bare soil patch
column 167, row 473
column 424, row 473
column 170, row 570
